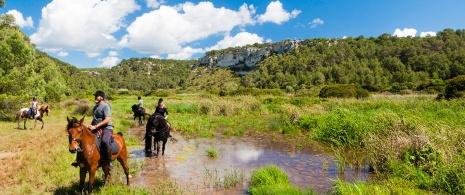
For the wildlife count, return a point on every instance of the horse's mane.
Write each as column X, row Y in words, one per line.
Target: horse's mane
column 72, row 123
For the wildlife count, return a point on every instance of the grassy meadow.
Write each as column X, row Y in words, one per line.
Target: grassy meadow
column 413, row 143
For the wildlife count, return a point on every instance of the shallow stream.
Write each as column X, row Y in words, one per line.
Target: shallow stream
column 187, row 163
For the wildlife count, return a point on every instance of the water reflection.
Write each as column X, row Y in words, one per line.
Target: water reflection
column 246, row 155
column 186, row 162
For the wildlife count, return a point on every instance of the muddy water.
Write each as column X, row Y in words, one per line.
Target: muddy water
column 187, row 163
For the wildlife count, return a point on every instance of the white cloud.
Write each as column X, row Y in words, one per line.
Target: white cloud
column 186, row 53
column 168, row 29
column 275, row 13
column 85, row 25
column 155, row 3
column 430, row 33
column 241, row 39
column 405, row 33
column 20, row 21
column 63, row 54
column 109, row 61
column 316, row 22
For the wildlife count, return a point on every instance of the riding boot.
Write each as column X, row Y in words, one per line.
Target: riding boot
column 110, row 162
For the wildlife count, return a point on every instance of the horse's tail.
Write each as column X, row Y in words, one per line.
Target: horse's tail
column 18, row 114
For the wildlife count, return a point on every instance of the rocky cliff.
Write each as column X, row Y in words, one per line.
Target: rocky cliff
column 243, row 60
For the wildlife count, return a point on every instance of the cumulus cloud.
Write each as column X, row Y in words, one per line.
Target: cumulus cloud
column 277, row 14
column 154, row 3
column 405, row 33
column 316, row 22
column 109, row 61
column 241, row 39
column 20, row 21
column 85, row 25
column 63, row 54
column 168, row 29
column 429, row 33
column 185, row 53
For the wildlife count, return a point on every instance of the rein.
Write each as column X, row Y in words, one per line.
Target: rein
column 79, row 144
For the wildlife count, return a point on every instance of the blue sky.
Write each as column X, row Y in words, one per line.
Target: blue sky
column 101, row 33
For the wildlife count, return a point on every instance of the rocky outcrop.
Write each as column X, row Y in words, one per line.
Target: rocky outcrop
column 243, row 60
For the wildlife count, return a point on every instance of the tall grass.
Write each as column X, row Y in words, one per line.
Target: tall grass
column 272, row 180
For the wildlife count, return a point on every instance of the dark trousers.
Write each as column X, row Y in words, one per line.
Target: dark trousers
column 106, row 135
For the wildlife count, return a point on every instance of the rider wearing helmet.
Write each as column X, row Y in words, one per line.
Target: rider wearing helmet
column 34, row 107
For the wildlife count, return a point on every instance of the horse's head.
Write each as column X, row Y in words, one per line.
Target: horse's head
column 157, row 121
column 134, row 107
column 75, row 130
column 46, row 109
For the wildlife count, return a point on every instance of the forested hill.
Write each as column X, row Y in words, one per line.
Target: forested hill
column 376, row 63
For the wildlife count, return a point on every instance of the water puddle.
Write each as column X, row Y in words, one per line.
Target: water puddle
column 187, row 163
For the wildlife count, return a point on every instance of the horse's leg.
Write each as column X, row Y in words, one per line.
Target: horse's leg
column 93, row 169
column 106, row 171
column 35, row 122
column 123, row 160
column 40, row 119
column 82, row 178
column 164, row 143
column 24, row 123
column 19, row 120
column 158, row 147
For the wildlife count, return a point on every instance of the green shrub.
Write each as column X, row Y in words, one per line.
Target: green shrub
column 432, row 86
column 455, row 88
column 343, row 91
column 306, row 123
column 211, row 152
column 9, row 107
column 272, row 180
column 83, row 109
column 257, row 92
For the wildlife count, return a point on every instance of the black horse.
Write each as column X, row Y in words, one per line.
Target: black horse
column 139, row 113
column 158, row 128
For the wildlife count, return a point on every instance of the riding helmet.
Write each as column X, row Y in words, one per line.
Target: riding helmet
column 100, row 93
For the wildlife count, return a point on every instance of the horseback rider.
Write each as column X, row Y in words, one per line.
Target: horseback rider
column 140, row 105
column 162, row 110
column 102, row 121
column 33, row 107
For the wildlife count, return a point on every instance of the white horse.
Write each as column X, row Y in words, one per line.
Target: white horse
column 23, row 114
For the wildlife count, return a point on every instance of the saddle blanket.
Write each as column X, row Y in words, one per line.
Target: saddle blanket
column 98, row 143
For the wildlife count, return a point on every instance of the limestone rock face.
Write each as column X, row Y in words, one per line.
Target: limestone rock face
column 243, row 60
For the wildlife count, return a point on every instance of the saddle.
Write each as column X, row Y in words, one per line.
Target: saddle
column 98, row 142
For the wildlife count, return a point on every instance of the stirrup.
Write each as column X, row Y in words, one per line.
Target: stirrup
column 110, row 167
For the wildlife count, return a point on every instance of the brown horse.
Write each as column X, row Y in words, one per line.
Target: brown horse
column 83, row 141
column 25, row 114
column 159, row 128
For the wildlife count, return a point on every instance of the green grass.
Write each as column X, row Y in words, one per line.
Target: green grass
column 211, row 152
column 228, row 179
column 272, row 180
column 413, row 143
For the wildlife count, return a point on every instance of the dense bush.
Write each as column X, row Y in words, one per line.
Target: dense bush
column 257, row 92
column 343, row 91
column 455, row 88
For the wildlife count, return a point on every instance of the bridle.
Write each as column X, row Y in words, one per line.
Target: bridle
column 79, row 149
column 79, row 141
